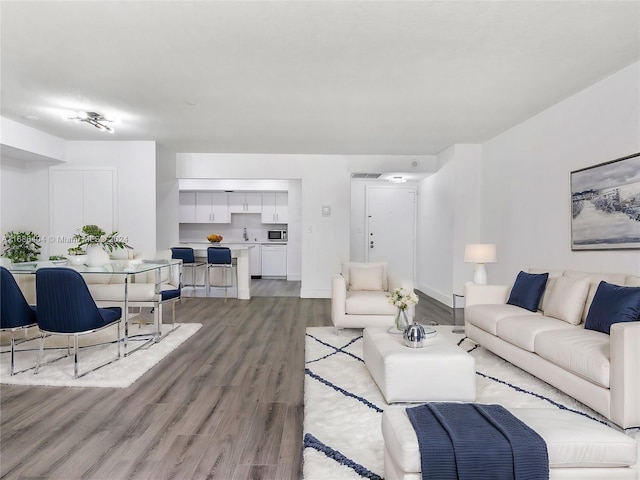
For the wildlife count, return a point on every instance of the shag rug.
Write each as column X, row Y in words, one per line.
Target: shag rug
column 343, row 405
column 95, row 349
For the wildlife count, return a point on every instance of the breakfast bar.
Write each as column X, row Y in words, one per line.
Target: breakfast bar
column 239, row 252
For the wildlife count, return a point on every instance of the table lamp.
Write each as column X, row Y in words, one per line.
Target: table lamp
column 480, row 253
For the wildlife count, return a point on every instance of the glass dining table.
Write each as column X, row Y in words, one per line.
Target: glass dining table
column 123, row 271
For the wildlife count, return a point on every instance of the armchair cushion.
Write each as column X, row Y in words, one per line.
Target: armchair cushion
column 361, row 270
column 368, row 303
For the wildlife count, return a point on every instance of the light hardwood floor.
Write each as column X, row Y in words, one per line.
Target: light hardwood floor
column 227, row 404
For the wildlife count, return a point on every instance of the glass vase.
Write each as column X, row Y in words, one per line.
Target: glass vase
column 402, row 320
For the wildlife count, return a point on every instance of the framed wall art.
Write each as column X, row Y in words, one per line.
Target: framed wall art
column 605, row 205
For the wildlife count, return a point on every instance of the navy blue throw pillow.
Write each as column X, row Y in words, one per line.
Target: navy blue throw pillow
column 613, row 304
column 527, row 290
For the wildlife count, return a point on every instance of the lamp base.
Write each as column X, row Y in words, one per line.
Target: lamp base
column 479, row 274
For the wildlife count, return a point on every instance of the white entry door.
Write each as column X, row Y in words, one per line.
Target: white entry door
column 391, row 225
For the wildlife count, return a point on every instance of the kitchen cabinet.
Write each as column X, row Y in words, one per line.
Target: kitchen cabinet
column 255, row 260
column 211, row 207
column 187, row 208
column 245, row 202
column 275, row 207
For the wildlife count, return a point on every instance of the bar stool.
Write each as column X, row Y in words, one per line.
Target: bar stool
column 188, row 260
column 220, row 257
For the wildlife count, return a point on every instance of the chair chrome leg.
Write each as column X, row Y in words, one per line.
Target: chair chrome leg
column 13, row 351
column 39, row 354
column 75, row 356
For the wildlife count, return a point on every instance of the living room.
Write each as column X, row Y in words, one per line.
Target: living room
column 505, row 183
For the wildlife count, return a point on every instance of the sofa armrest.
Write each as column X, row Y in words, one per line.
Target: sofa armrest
column 623, row 377
column 338, row 297
column 485, row 294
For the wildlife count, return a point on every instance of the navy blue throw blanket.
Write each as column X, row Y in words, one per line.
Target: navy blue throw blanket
column 470, row 441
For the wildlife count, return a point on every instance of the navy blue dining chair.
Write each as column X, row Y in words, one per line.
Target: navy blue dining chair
column 15, row 313
column 220, row 257
column 188, row 258
column 66, row 307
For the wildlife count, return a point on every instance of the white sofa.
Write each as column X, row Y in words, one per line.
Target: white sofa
column 359, row 296
column 602, row 371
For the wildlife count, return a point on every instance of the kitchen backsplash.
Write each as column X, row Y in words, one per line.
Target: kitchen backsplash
column 256, row 230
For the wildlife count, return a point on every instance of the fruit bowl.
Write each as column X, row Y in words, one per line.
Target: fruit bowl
column 213, row 238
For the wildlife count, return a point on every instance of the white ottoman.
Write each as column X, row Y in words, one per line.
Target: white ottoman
column 578, row 448
column 439, row 371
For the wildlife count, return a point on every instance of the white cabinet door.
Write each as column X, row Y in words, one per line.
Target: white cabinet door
column 255, row 259
column 253, row 202
column 237, row 203
column 187, row 211
column 203, row 207
column 220, row 208
column 268, row 208
column 282, row 207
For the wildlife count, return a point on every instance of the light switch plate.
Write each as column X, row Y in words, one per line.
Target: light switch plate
column 326, row 210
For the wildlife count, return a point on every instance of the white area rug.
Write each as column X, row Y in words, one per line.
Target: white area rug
column 119, row 374
column 343, row 405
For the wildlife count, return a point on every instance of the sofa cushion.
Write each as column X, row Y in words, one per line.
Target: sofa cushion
column 368, row 303
column 486, row 317
column 594, row 281
column 346, row 271
column 566, row 300
column 522, row 330
column 553, row 274
column 583, row 352
column 527, row 290
column 613, row 304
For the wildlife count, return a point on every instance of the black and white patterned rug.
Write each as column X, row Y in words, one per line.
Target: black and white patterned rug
column 343, row 405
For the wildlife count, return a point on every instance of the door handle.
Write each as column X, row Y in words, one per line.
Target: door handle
column 371, row 244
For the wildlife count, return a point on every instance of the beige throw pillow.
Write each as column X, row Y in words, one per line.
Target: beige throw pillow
column 365, row 277
column 566, row 299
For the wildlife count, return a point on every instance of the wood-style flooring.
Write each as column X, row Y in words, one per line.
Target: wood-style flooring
column 227, row 404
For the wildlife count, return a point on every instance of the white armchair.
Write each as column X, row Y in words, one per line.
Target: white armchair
column 359, row 296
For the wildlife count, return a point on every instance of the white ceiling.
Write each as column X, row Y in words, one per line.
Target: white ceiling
column 353, row 77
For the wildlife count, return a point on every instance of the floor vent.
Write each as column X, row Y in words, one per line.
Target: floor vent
column 365, row 175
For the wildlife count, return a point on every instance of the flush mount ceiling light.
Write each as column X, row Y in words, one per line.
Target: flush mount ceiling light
column 93, row 118
column 397, row 179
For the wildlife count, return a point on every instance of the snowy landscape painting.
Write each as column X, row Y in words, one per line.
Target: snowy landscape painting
column 605, row 205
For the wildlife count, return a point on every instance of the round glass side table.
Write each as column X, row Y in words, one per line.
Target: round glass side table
column 458, row 313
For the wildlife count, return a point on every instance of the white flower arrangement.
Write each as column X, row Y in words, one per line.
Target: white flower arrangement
column 402, row 298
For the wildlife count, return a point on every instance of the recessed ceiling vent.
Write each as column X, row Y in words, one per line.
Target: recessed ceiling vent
column 365, row 175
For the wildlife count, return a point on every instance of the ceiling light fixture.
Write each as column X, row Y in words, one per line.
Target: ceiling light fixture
column 397, row 179
column 95, row 119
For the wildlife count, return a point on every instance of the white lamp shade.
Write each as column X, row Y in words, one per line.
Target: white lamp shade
column 480, row 253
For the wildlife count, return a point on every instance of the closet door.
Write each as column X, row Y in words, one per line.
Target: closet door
column 78, row 197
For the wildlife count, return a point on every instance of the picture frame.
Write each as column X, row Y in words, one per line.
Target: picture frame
column 605, row 205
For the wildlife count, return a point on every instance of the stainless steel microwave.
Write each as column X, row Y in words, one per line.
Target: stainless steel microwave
column 277, row 235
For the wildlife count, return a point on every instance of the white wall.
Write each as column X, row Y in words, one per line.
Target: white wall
column 167, row 204
column 325, row 180
column 526, row 191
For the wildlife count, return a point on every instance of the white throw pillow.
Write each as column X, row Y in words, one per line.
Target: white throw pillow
column 566, row 299
column 365, row 277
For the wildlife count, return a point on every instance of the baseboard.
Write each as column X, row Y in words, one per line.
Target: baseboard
column 294, row 278
column 315, row 293
column 439, row 296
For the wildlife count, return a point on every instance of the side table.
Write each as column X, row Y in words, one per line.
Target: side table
column 458, row 313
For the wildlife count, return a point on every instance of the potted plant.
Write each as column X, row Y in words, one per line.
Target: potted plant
column 76, row 255
column 97, row 243
column 21, row 246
